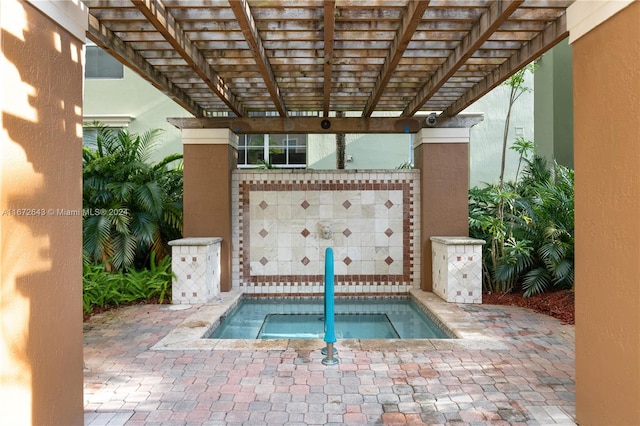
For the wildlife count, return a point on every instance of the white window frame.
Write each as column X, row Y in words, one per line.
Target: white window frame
column 90, row 44
column 266, row 147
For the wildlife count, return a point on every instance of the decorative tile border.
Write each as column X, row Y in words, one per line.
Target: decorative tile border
column 286, row 219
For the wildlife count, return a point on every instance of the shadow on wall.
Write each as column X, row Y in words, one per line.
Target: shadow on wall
column 41, row 208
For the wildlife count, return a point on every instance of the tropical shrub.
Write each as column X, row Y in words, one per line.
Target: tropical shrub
column 529, row 229
column 405, row 165
column 132, row 207
column 548, row 221
column 517, row 87
column 102, row 288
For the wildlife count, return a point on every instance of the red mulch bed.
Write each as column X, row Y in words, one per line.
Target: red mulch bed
column 558, row 304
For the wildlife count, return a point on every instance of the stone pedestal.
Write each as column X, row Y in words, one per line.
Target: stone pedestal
column 196, row 265
column 457, row 268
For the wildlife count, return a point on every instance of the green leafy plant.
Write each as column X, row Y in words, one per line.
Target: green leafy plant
column 500, row 199
column 523, row 147
column 159, row 279
column 532, row 243
column 517, row 88
column 405, row 165
column 103, row 288
column 264, row 165
column 133, row 207
column 549, row 205
column 99, row 287
column 513, row 216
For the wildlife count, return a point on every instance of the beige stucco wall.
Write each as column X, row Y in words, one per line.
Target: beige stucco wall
column 364, row 151
column 553, row 105
column 606, row 63
column 485, row 147
column 134, row 96
column 388, row 151
column 40, row 250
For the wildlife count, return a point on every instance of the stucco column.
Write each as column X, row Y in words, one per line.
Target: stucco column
column 606, row 76
column 442, row 155
column 41, row 371
column 209, row 157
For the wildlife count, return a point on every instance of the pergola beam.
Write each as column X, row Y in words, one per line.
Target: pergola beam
column 491, row 20
column 165, row 24
column 329, row 29
column 410, row 21
column 318, row 57
column 283, row 125
column 552, row 35
column 242, row 11
column 105, row 39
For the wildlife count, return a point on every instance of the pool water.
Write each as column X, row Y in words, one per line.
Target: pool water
column 302, row 318
column 310, row 326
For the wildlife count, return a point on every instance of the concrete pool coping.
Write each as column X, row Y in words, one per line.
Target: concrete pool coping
column 468, row 333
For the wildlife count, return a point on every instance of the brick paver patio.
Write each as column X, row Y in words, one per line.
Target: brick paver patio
column 530, row 380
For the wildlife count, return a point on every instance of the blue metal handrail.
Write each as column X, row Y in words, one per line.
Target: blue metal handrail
column 329, row 308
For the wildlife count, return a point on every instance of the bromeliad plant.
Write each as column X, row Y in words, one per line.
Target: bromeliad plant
column 529, row 228
column 133, row 207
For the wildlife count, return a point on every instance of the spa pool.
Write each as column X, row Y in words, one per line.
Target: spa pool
column 302, row 318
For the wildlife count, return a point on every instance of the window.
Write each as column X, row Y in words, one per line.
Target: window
column 92, row 122
column 99, row 64
column 89, row 136
column 278, row 150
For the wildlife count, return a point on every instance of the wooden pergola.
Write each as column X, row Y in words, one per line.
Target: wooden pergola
column 300, row 61
column 207, row 54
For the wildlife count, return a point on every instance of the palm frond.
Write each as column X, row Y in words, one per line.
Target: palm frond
column 107, row 141
column 552, row 252
column 173, row 216
column 149, row 196
column 144, row 227
column 124, row 250
column 88, row 154
column 148, row 141
column 158, row 246
column 120, row 222
column 563, row 273
column 122, row 190
column 119, row 176
column 517, row 259
column 96, row 233
column 167, row 160
column 536, row 281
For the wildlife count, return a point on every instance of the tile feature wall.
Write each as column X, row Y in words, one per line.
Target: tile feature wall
column 286, row 219
column 457, row 269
